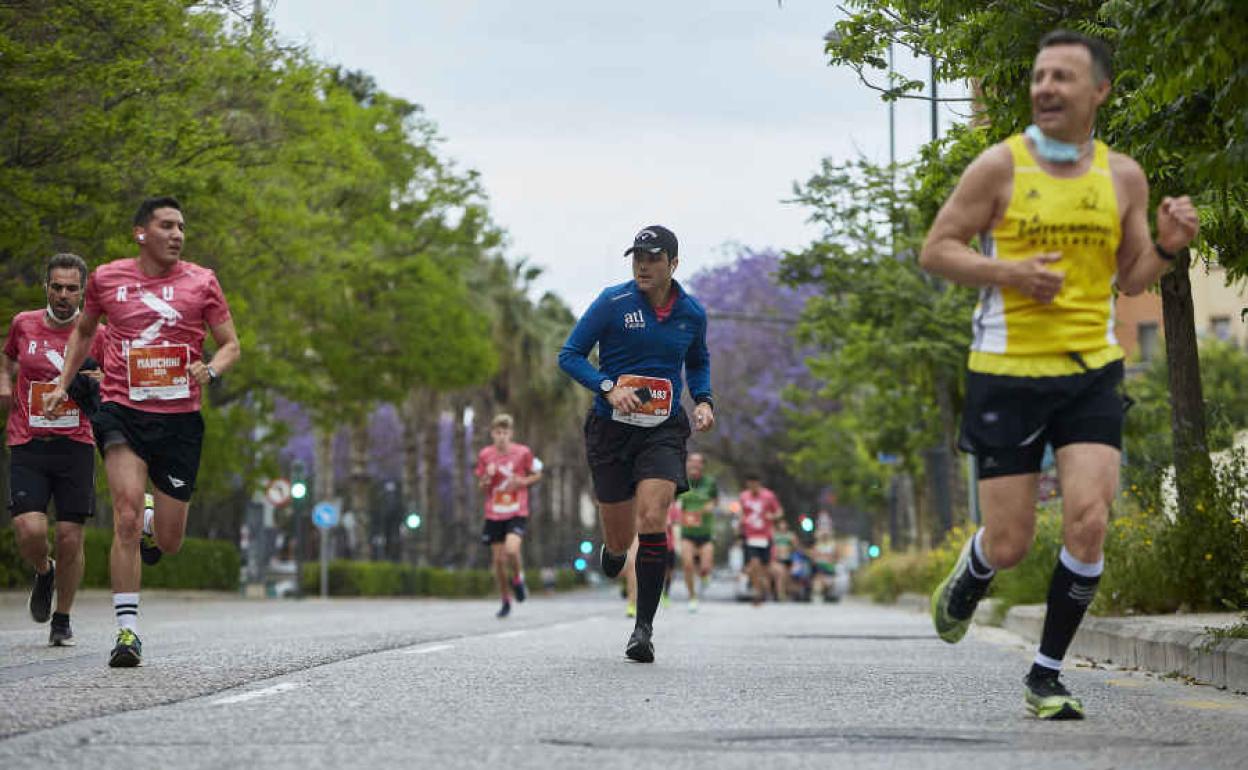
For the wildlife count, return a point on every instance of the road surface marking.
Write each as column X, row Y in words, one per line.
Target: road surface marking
column 252, row 695
column 510, row 634
column 1210, row 705
column 1128, row 683
column 429, row 649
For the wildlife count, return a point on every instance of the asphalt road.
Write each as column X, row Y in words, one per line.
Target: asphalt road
column 232, row 683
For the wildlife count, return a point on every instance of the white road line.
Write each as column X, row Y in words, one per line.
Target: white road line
column 429, row 649
column 252, row 695
column 510, row 634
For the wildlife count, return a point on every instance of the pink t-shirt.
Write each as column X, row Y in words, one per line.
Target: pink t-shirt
column 504, row 497
column 39, row 350
column 156, row 327
column 756, row 513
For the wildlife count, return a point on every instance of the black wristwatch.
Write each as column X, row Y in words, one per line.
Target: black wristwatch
column 1168, row 256
column 705, row 400
column 606, row 386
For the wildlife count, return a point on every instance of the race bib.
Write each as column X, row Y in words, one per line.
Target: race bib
column 159, row 372
column 66, row 416
column 656, row 396
column 506, row 502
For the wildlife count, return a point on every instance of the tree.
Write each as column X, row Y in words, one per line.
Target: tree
column 1178, row 103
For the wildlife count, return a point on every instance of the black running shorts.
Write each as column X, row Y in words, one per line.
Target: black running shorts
column 497, row 530
column 622, row 455
column 170, row 444
column 762, row 553
column 1008, row 420
column 56, row 469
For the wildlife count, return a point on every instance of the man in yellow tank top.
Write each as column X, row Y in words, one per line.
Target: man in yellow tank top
column 1062, row 219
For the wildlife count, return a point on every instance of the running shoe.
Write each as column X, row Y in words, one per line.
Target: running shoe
column 693, row 605
column 518, row 588
column 640, row 648
column 1048, row 698
column 665, row 600
column 128, row 652
column 61, row 635
column 148, row 550
column 631, row 610
column 503, row 611
column 41, row 594
column 611, row 564
column 955, row 599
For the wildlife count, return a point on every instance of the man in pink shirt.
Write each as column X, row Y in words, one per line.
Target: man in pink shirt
column 52, row 456
column 505, row 471
column 148, row 426
column 759, row 511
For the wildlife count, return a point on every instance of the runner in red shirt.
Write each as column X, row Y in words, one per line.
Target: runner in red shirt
column 505, row 471
column 52, row 457
column 759, row 511
column 149, row 425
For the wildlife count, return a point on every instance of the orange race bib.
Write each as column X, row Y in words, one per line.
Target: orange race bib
column 159, row 372
column 506, row 501
column 656, row 396
column 67, row 414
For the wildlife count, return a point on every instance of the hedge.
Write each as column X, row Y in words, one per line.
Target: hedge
column 201, row 564
column 383, row 578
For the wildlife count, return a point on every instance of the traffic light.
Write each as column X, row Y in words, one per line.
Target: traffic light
column 413, row 520
column 808, row 524
column 580, row 564
column 298, row 485
column 873, row 551
column 587, row 547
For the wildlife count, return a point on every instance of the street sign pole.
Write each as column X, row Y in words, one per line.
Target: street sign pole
column 325, row 563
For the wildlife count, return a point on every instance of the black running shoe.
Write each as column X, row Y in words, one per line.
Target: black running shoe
column 640, row 648
column 503, row 611
column 61, row 634
column 611, row 565
column 41, row 594
column 518, row 588
column 148, row 550
column 1048, row 698
column 955, row 599
column 128, row 652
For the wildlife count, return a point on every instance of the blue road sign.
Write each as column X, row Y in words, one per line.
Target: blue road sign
column 325, row 515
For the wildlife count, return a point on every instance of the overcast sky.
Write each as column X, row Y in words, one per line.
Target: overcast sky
column 589, row 120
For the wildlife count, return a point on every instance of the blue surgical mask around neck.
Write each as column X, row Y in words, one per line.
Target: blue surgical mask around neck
column 1052, row 150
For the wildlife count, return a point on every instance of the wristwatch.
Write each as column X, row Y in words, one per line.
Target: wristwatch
column 606, row 386
column 212, row 373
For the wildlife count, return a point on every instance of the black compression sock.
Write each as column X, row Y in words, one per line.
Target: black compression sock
column 60, row 618
column 651, row 566
column 1070, row 592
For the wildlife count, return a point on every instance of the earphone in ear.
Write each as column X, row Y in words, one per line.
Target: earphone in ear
column 142, row 237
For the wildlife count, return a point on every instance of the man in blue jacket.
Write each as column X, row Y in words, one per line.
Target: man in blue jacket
column 647, row 330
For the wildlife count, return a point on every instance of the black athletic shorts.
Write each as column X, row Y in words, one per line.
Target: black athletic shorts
column 56, row 469
column 497, row 530
column 762, row 553
column 697, row 540
column 169, row 443
column 1008, row 420
column 622, row 455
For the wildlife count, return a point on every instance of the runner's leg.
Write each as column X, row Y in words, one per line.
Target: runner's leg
column 654, row 497
column 1009, row 506
column 69, row 564
column 686, row 562
column 706, row 558
column 168, row 520
column 31, row 531
column 630, row 577
column 127, row 478
column 511, row 549
column 499, row 565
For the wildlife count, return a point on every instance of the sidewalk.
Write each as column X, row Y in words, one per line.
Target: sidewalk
column 1162, row 644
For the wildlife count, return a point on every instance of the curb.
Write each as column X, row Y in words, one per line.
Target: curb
column 1148, row 645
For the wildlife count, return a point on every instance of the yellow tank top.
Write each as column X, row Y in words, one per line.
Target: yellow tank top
column 1017, row 336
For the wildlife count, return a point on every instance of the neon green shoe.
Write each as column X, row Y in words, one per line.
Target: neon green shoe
column 1047, row 698
column 631, row 610
column 128, row 652
column 955, row 599
column 665, row 600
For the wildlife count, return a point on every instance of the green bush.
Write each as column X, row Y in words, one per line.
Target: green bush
column 363, row 578
column 201, row 564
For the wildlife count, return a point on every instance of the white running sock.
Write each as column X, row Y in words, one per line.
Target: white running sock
column 148, row 515
column 126, row 608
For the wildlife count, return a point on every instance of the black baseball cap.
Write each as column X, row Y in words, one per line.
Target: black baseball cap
column 654, row 239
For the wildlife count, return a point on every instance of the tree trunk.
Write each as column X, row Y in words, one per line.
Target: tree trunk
column 360, row 481
column 1192, row 466
column 435, row 510
column 415, row 412
column 460, row 490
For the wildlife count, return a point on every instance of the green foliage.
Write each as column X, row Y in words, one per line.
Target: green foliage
column 890, row 338
column 210, row 565
column 361, row 578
